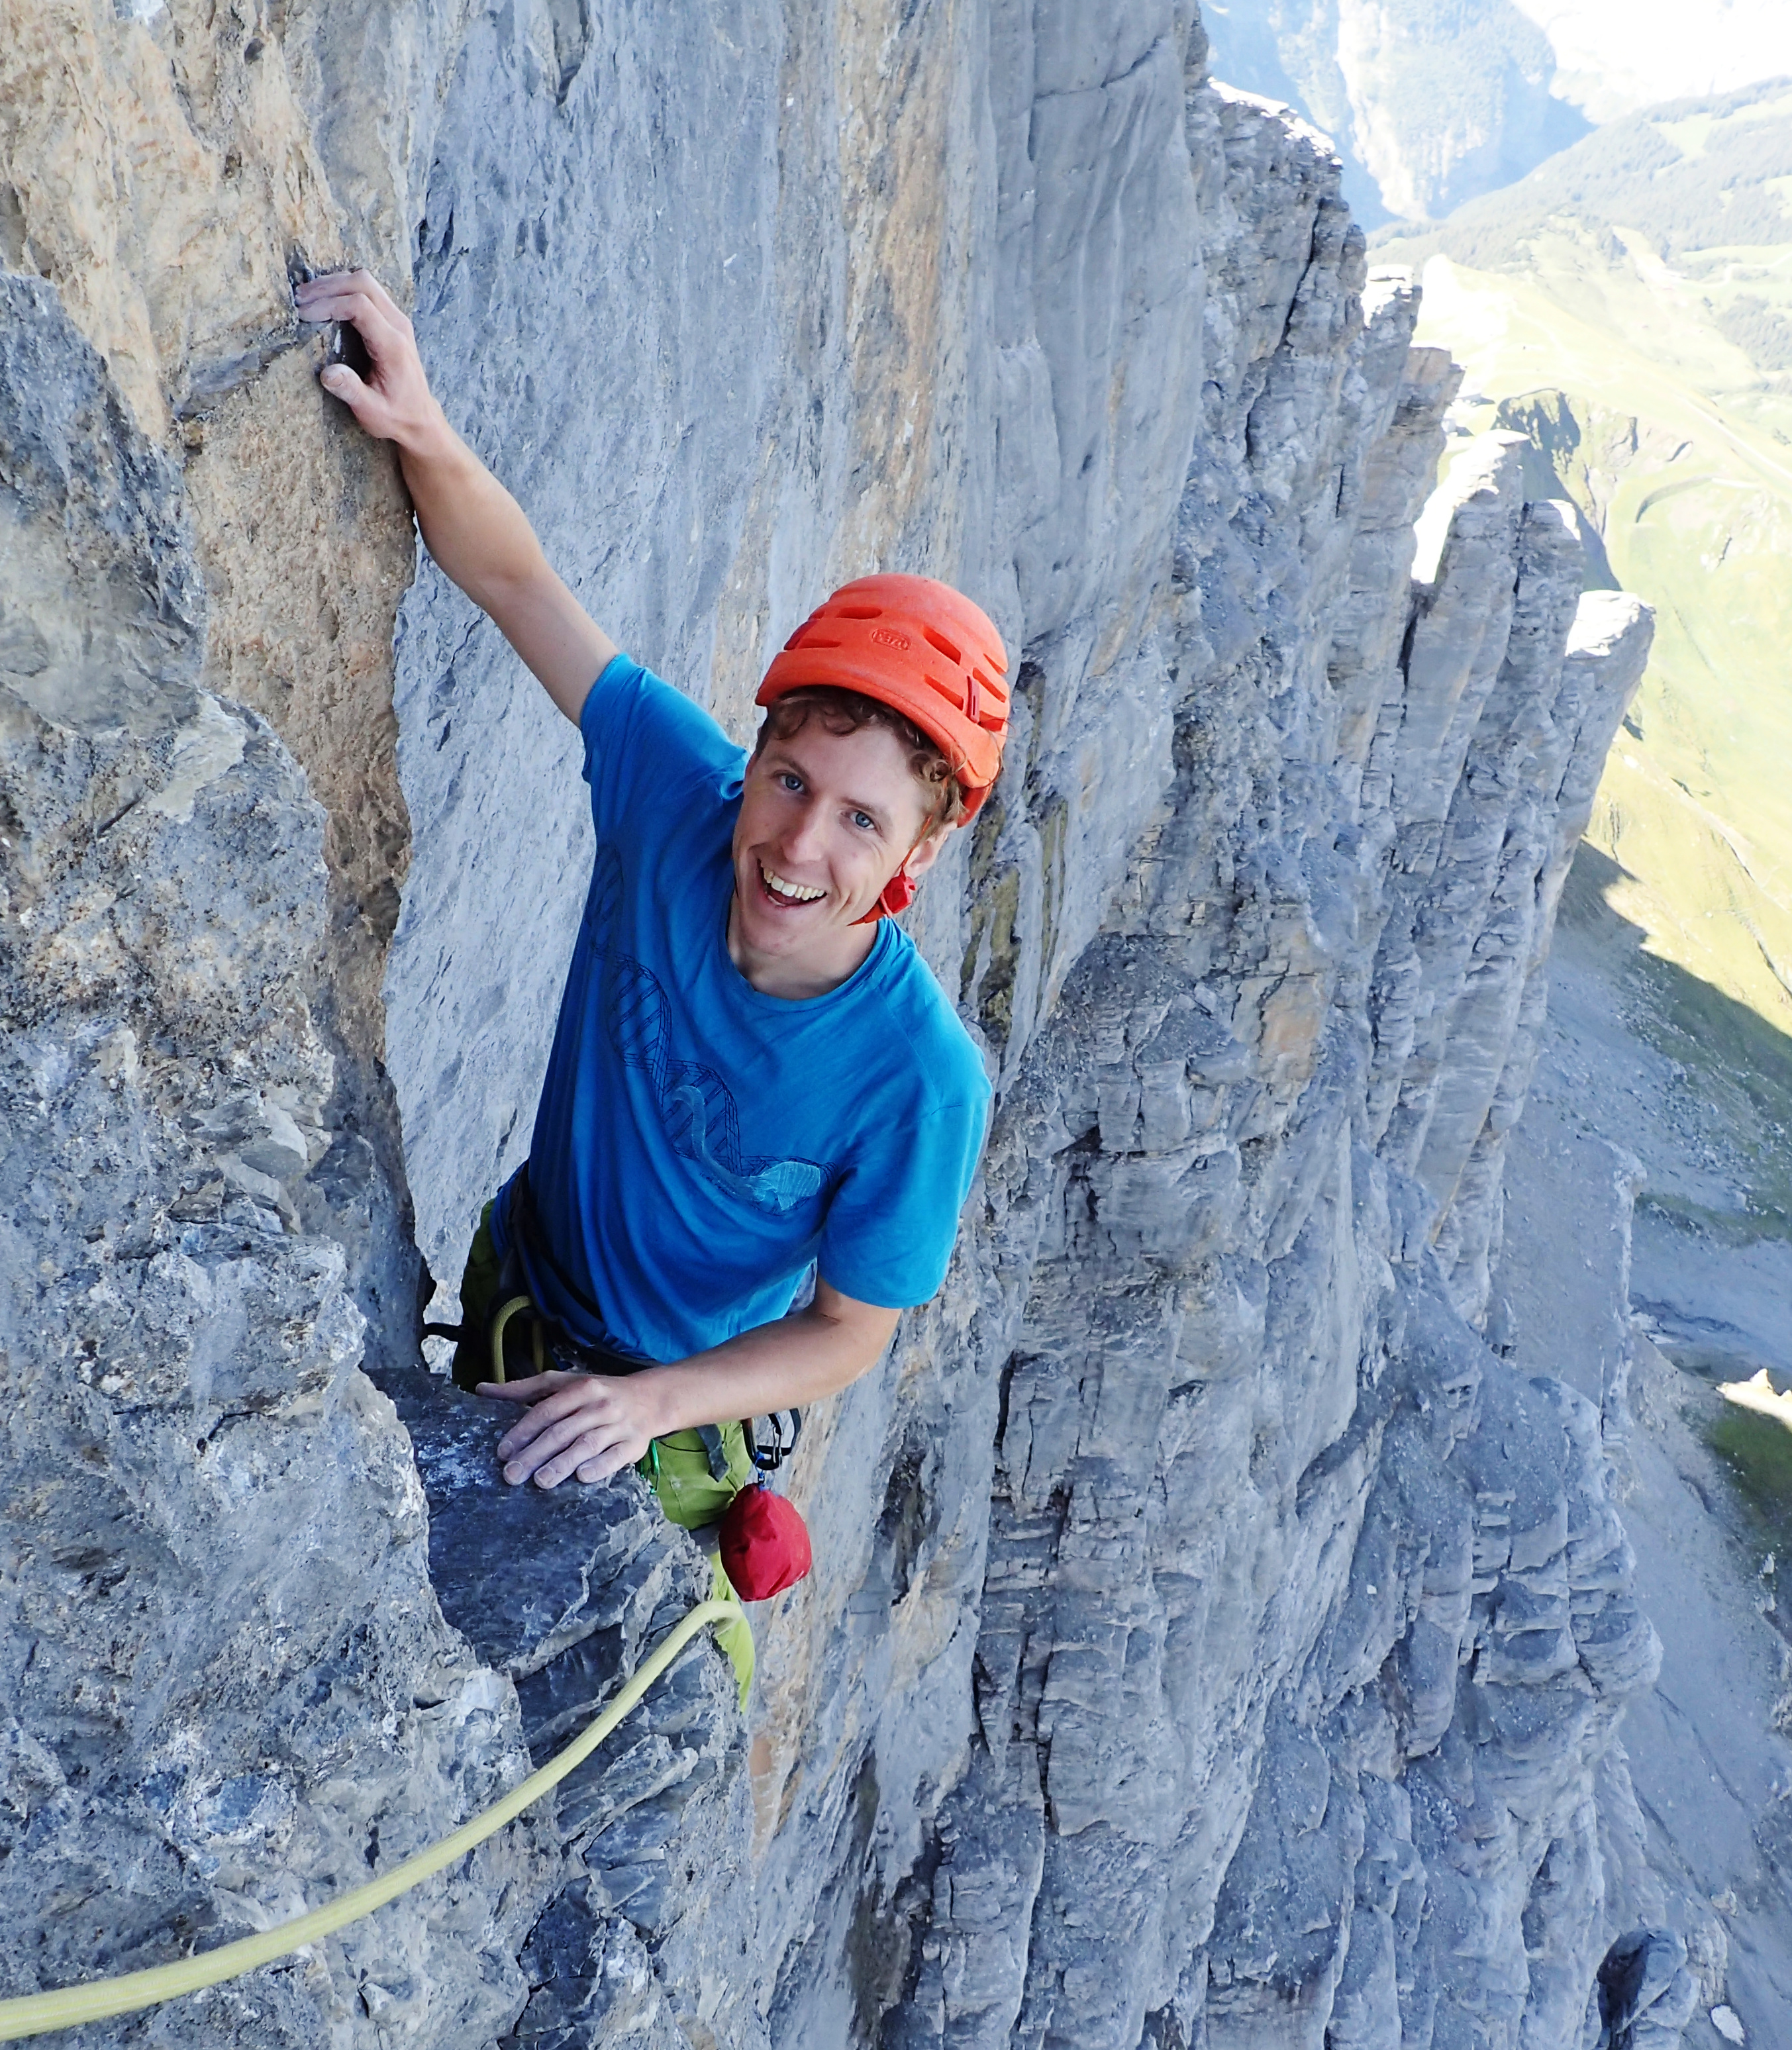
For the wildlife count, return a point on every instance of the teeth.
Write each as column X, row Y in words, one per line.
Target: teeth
column 795, row 892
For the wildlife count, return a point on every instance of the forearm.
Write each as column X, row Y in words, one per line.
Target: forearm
column 478, row 536
column 786, row 1365
column 594, row 1424
column 473, row 528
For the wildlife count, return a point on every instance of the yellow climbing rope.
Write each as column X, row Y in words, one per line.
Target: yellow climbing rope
column 69, row 2006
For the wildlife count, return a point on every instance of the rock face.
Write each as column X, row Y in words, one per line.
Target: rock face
column 1432, row 106
column 1212, row 1639
column 228, row 1685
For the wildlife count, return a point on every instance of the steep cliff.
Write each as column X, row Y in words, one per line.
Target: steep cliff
column 1213, row 1640
column 1622, row 308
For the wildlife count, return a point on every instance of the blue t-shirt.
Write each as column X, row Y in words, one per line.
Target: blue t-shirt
column 699, row 1143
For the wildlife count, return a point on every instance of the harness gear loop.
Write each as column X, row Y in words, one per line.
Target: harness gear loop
column 713, row 1451
column 500, row 1317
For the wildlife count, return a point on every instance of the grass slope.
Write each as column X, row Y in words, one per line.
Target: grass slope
column 1628, row 309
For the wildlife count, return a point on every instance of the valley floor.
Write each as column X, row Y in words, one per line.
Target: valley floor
column 1653, row 1089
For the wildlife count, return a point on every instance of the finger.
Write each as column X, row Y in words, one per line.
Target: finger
column 525, row 1448
column 338, row 301
column 548, row 1465
column 312, row 290
column 385, row 332
column 612, row 1462
column 359, row 284
column 590, row 1448
column 531, row 1388
column 535, row 1441
column 581, row 1406
column 364, row 281
column 521, row 1450
column 362, row 399
column 373, row 410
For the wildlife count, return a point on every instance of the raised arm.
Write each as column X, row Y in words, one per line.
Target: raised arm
column 473, row 527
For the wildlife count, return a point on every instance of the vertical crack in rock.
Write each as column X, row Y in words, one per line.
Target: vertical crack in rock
column 304, row 583
column 229, row 1691
column 168, row 175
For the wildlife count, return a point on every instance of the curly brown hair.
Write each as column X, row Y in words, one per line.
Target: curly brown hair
column 842, row 710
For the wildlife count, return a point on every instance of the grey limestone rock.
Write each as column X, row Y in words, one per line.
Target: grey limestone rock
column 562, row 1594
column 228, row 1690
column 1213, row 1640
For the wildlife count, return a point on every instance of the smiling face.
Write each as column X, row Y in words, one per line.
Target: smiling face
column 826, row 819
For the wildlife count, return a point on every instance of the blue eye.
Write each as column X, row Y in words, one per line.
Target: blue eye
column 864, row 821
column 790, row 780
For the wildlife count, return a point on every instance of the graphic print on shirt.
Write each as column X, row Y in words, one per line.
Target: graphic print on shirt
column 695, row 1106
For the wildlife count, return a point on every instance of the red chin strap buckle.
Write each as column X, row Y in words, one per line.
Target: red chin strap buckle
column 898, row 895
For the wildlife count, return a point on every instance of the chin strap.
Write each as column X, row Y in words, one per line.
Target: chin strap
column 897, row 896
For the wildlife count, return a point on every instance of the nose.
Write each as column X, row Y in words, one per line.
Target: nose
column 804, row 838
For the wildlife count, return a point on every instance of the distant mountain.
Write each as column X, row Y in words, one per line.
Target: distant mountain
column 1627, row 309
column 1694, row 196
column 1433, row 105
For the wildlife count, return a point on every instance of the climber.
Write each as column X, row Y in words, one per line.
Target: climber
column 753, row 1073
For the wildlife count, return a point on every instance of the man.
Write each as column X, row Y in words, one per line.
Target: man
column 753, row 1072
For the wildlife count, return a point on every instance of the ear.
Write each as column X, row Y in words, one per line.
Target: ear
column 922, row 858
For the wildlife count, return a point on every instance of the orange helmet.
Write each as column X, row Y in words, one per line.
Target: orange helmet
column 918, row 646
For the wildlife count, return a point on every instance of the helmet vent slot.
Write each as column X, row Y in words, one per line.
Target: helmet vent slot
column 939, row 641
column 859, row 612
column 992, row 716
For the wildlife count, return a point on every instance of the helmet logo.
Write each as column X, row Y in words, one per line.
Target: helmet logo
column 887, row 637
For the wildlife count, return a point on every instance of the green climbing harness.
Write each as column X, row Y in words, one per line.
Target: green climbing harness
column 696, row 1474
